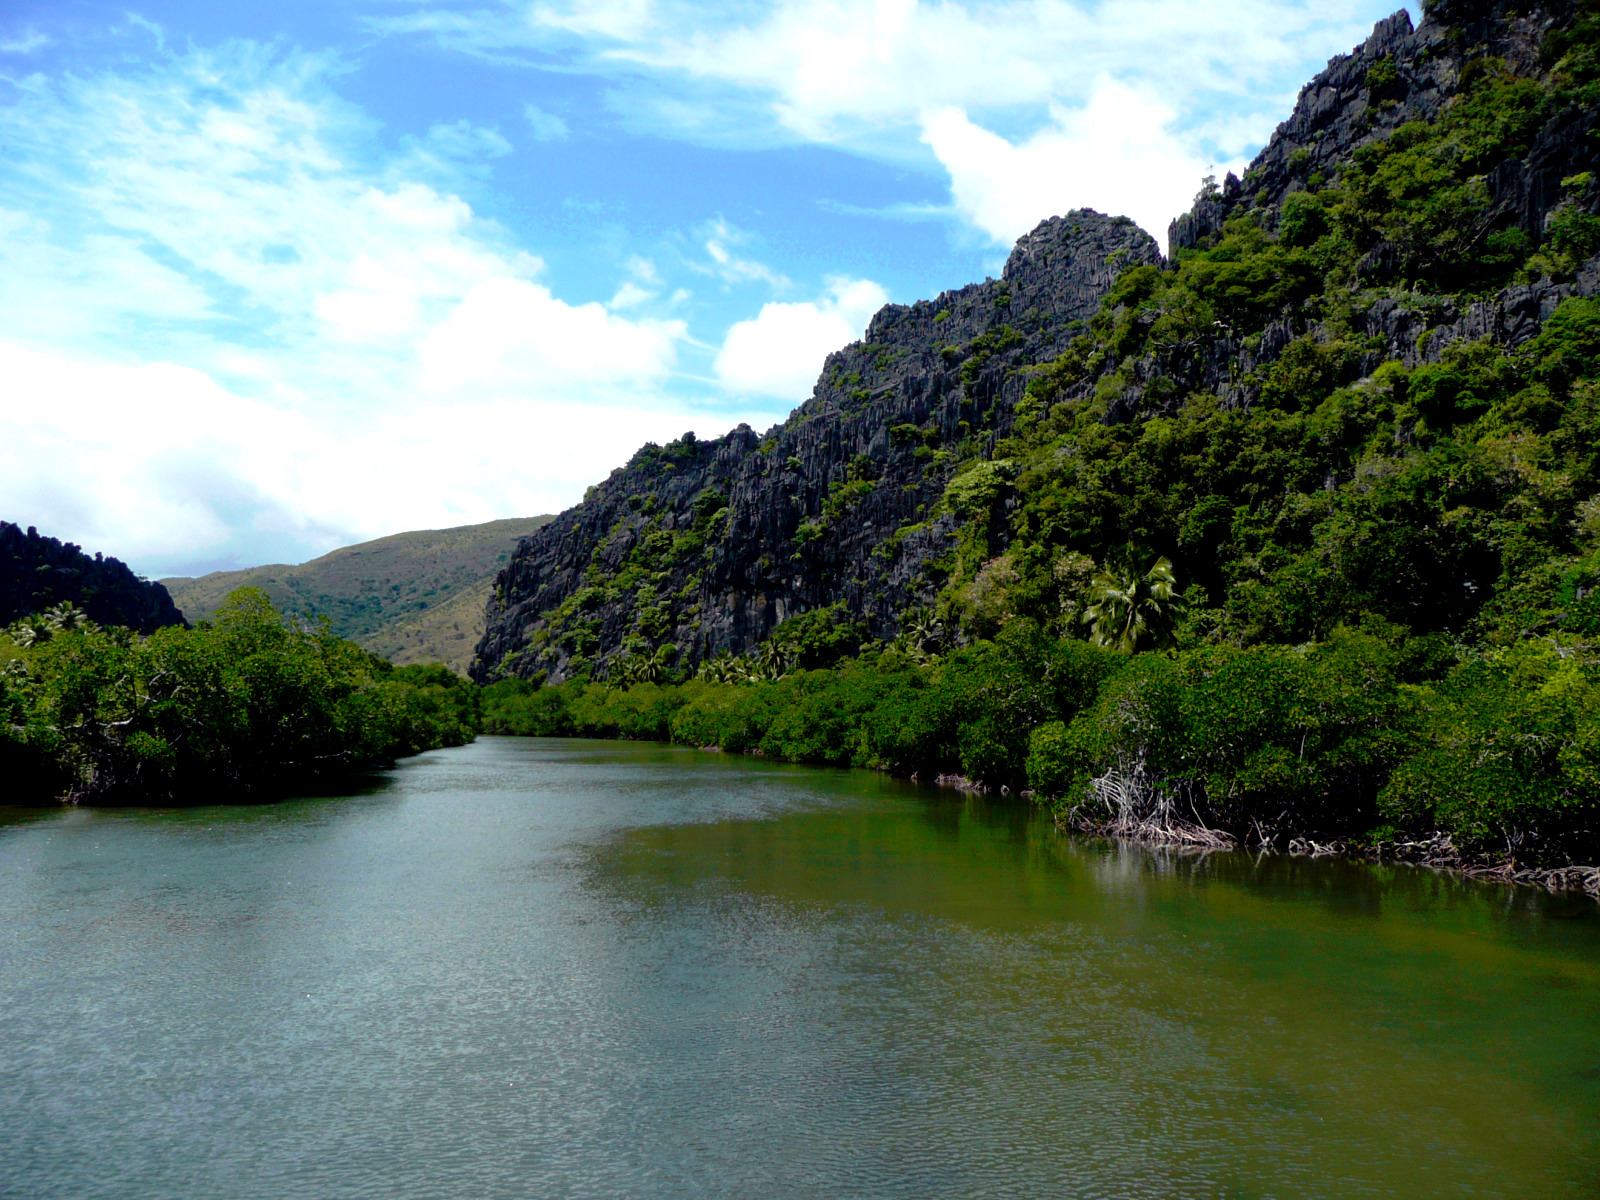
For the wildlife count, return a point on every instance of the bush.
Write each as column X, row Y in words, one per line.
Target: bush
column 1511, row 759
column 517, row 706
column 249, row 704
column 1262, row 740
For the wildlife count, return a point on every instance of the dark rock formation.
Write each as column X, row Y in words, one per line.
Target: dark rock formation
column 864, row 458
column 708, row 545
column 37, row 573
column 1402, row 74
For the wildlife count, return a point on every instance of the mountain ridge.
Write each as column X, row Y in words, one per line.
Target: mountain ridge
column 412, row 597
column 895, row 486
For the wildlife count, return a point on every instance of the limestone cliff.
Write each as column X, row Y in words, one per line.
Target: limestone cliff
column 709, row 545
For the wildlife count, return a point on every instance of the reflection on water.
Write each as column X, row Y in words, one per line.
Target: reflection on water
column 572, row 969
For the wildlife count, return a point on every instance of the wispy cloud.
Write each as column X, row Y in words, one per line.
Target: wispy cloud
column 721, row 242
column 229, row 324
column 25, row 43
column 883, row 77
column 545, row 126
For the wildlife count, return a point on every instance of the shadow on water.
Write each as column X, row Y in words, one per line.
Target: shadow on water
column 1369, row 987
column 534, row 967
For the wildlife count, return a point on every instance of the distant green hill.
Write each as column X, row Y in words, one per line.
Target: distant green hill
column 39, row 572
column 411, row 597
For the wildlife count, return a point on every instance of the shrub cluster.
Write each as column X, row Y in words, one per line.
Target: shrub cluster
column 1371, row 733
column 247, row 705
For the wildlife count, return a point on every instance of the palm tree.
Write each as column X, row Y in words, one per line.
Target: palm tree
column 921, row 635
column 643, row 668
column 68, row 616
column 1126, row 608
column 30, row 631
column 772, row 662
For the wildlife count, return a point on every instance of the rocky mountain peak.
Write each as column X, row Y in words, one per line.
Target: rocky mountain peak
column 855, row 502
column 709, row 544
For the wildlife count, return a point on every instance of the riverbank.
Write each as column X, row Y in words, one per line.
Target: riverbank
column 1161, row 826
column 252, row 706
column 1366, row 739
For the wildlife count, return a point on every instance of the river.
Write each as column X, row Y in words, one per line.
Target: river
column 574, row 969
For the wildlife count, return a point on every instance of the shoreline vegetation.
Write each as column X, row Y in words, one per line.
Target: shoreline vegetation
column 1369, row 744
column 1292, row 542
column 249, row 706
column 1364, row 745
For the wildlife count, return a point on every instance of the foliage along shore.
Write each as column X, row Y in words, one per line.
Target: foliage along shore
column 1356, row 414
column 250, row 705
column 1373, row 741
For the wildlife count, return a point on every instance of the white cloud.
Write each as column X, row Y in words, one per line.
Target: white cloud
column 832, row 63
column 1116, row 154
column 509, row 336
column 228, row 336
column 120, row 457
column 779, row 353
column 864, row 75
column 546, row 127
column 643, row 285
column 631, row 295
column 161, row 465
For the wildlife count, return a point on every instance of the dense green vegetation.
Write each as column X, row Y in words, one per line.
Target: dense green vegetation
column 246, row 705
column 1458, row 497
column 413, row 597
column 1316, row 593
column 1363, row 736
column 38, row 572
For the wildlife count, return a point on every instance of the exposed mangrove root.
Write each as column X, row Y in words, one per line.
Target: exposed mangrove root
column 1130, row 801
column 962, row 784
column 1440, row 853
column 1313, row 849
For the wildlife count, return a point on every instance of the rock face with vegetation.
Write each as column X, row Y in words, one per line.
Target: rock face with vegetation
column 707, row 545
column 1404, row 277
column 1290, row 539
column 39, row 573
column 1324, row 327
column 413, row 597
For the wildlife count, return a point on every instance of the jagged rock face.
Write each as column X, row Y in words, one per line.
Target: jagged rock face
column 863, row 459
column 709, row 545
column 1402, row 74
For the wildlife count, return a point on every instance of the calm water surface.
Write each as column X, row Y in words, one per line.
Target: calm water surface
column 542, row 968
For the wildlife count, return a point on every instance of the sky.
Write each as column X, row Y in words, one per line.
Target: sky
column 275, row 278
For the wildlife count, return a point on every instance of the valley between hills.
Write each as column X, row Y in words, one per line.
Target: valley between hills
column 415, row 597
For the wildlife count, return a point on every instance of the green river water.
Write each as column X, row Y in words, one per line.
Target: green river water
column 529, row 968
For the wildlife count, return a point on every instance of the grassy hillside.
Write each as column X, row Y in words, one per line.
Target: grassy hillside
column 411, row 597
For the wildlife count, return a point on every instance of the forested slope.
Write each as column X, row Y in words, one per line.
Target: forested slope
column 414, row 597
column 39, row 573
column 1275, row 408
column 1292, row 537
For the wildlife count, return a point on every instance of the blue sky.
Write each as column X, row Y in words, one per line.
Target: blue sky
column 275, row 278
